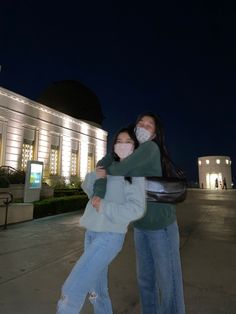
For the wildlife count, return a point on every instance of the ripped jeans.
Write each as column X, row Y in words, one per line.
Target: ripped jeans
column 89, row 275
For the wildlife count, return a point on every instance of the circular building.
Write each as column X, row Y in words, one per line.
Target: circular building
column 74, row 99
column 215, row 172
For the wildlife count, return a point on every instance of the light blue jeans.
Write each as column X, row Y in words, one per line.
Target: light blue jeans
column 159, row 271
column 89, row 275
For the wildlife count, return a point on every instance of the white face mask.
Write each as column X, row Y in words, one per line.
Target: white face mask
column 123, row 150
column 142, row 135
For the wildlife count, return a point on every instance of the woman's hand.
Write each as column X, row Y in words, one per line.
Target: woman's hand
column 96, row 202
column 101, row 172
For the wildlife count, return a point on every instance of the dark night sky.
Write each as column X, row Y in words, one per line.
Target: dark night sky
column 176, row 59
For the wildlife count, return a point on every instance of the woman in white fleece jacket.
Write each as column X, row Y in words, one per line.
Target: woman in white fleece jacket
column 106, row 225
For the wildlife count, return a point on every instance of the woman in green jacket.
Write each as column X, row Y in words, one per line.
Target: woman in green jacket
column 156, row 235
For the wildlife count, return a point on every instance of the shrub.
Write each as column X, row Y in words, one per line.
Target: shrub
column 13, row 177
column 75, row 182
column 4, row 182
column 58, row 205
column 17, row 177
column 68, row 192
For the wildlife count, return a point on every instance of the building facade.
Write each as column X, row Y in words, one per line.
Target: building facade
column 215, row 172
column 67, row 146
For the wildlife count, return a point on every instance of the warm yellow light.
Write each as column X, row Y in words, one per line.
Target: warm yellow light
column 83, row 159
column 227, row 161
column 218, row 161
column 199, row 162
column 74, row 160
column 66, row 157
column 207, row 161
column 53, row 162
column 27, row 154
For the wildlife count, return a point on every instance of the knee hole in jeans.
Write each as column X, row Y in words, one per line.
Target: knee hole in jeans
column 92, row 296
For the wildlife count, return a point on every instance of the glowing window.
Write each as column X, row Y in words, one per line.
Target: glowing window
column 27, row 154
column 227, row 161
column 199, row 162
column 74, row 163
column 91, row 158
column 90, row 162
column 53, row 166
column 218, row 161
column 207, row 161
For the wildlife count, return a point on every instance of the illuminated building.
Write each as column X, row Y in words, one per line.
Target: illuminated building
column 69, row 144
column 214, row 171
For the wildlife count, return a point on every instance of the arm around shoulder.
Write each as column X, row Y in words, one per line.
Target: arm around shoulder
column 106, row 161
column 144, row 161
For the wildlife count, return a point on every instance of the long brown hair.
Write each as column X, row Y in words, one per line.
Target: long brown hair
column 166, row 163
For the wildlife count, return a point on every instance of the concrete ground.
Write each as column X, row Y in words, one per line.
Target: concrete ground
column 36, row 257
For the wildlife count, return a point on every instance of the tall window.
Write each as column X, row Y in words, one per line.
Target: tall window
column 54, row 155
column 27, row 154
column 53, row 165
column 91, row 158
column 27, row 146
column 74, row 162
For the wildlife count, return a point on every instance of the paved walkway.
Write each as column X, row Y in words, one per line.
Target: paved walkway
column 35, row 258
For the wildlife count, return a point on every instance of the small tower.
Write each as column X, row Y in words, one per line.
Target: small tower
column 215, row 172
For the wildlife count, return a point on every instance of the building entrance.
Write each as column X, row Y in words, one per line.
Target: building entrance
column 214, row 181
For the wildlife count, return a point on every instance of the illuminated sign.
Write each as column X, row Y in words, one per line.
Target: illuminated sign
column 35, row 176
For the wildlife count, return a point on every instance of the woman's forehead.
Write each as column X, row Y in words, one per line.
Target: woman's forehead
column 123, row 134
column 147, row 119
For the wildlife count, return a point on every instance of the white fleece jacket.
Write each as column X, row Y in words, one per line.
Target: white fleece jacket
column 124, row 202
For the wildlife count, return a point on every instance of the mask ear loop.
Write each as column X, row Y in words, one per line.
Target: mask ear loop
column 152, row 137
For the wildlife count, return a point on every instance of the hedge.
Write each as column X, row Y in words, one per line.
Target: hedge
column 58, row 205
column 68, row 192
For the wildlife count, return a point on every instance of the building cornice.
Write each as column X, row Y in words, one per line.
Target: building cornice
column 48, row 110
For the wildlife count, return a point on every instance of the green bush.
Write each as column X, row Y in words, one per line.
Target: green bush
column 68, row 192
column 75, row 182
column 4, row 182
column 17, row 177
column 58, row 205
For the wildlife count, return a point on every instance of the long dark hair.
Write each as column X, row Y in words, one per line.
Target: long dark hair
column 129, row 130
column 159, row 139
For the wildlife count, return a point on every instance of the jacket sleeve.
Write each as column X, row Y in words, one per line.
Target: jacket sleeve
column 100, row 184
column 134, row 207
column 100, row 187
column 88, row 183
column 106, row 161
column 140, row 163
